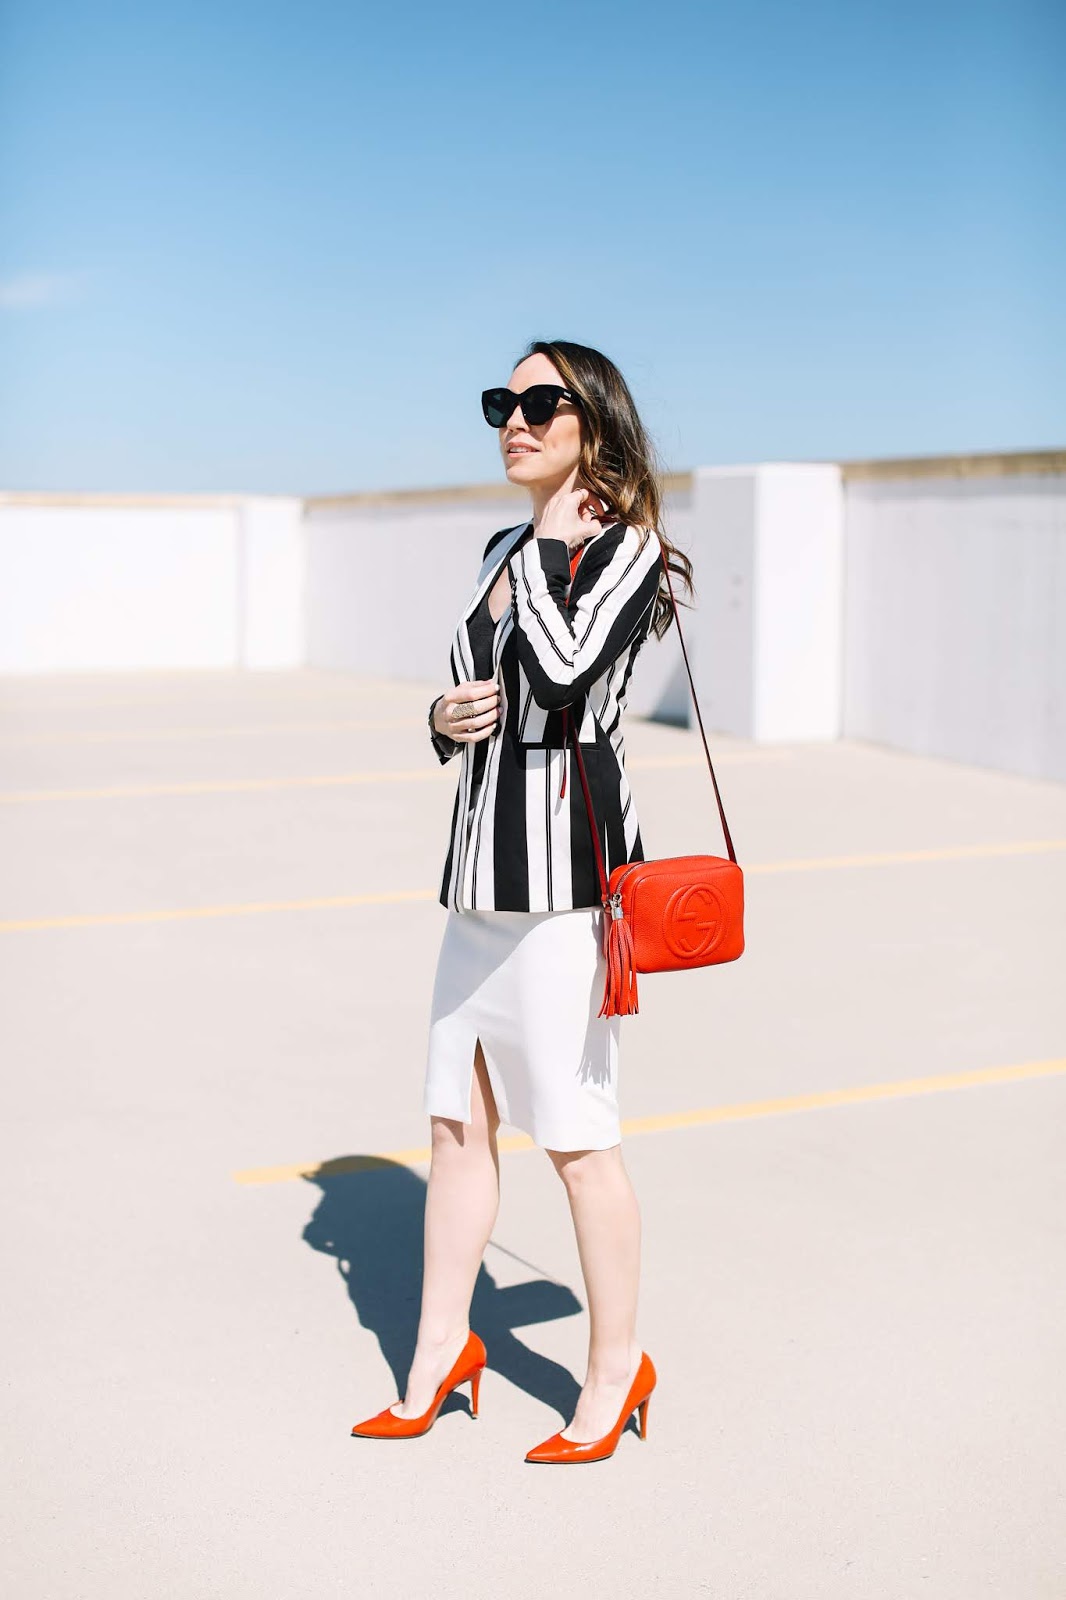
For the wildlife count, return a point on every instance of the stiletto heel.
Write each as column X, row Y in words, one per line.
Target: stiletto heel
column 469, row 1364
column 560, row 1451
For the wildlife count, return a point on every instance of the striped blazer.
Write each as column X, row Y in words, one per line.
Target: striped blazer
column 518, row 842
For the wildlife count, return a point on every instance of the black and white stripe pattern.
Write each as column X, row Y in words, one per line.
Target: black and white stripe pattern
column 516, row 844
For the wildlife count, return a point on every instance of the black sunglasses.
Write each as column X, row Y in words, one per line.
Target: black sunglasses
column 538, row 403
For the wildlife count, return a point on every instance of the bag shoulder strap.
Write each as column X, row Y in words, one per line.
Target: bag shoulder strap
column 574, row 563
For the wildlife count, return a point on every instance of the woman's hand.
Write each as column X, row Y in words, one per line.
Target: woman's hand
column 571, row 515
column 468, row 727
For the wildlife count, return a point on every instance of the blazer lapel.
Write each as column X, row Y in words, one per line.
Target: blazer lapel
column 490, row 571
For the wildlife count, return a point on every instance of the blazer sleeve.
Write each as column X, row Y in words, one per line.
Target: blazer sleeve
column 565, row 645
column 445, row 747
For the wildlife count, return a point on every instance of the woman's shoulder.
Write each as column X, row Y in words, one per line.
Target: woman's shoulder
column 632, row 537
column 644, row 535
column 502, row 534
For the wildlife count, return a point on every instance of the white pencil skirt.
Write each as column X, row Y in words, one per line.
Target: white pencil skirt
column 530, row 985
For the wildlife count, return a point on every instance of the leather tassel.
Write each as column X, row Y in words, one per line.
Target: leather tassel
column 562, row 786
column 620, row 988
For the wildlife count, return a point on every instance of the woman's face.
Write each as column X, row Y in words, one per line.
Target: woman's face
column 544, row 456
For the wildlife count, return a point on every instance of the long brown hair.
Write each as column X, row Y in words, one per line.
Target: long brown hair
column 618, row 459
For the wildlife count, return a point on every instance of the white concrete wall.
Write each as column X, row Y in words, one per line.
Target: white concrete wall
column 769, row 550
column 271, row 583
column 763, row 634
column 113, row 586
column 955, row 633
column 386, row 581
column 361, row 619
column 921, row 605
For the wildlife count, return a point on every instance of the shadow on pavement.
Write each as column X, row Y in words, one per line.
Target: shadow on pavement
column 370, row 1219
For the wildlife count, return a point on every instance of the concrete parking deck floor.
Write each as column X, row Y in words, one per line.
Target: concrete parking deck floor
column 219, row 931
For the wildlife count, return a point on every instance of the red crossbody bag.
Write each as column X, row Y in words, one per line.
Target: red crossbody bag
column 660, row 916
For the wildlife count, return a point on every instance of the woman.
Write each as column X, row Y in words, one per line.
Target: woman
column 515, row 1034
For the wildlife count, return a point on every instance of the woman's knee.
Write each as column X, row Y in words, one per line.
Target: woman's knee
column 579, row 1169
column 451, row 1138
column 454, row 1143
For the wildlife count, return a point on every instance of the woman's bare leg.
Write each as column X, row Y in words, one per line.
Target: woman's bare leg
column 462, row 1200
column 607, row 1225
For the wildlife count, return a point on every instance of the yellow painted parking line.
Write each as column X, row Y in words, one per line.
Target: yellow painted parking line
column 183, row 689
column 436, row 774
column 727, row 758
column 950, row 852
column 254, row 908
column 140, row 791
column 672, row 1122
column 246, row 730
column 266, row 730
column 251, row 908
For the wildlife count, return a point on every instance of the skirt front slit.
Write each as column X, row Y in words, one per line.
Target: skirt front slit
column 529, row 984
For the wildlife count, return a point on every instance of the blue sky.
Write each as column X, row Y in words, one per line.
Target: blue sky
column 283, row 248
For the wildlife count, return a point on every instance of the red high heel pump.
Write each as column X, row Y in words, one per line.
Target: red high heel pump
column 559, row 1451
column 470, row 1363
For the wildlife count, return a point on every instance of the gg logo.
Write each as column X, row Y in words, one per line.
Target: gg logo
column 693, row 921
